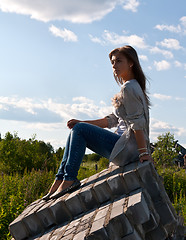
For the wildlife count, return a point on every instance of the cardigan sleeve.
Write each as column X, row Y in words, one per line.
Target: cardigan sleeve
column 133, row 104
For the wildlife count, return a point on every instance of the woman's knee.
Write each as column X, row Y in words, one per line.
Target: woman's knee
column 79, row 126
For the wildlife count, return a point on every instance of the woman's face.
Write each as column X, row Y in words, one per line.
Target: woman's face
column 122, row 67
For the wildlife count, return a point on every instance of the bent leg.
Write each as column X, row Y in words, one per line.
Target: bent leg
column 85, row 135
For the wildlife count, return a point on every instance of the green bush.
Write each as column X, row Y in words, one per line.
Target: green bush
column 165, row 151
column 17, row 191
column 175, row 186
column 17, row 154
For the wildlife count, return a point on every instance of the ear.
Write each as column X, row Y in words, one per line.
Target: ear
column 131, row 64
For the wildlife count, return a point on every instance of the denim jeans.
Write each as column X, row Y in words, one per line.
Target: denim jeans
column 99, row 140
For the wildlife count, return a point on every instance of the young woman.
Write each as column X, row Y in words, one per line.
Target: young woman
column 130, row 142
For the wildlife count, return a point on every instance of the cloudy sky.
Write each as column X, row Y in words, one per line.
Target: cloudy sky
column 54, row 62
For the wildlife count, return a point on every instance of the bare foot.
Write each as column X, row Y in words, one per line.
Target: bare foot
column 65, row 184
column 55, row 186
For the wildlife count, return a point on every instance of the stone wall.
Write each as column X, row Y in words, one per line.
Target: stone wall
column 119, row 203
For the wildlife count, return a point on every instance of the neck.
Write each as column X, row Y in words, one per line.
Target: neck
column 128, row 78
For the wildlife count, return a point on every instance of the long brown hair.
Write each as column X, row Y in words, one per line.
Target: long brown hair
column 131, row 54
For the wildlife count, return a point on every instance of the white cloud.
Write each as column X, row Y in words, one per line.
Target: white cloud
column 66, row 34
column 170, row 43
column 131, row 5
column 183, row 21
column 143, row 57
column 178, row 64
column 180, row 28
column 116, row 39
column 166, row 97
column 170, row 28
column 158, row 127
column 81, row 11
column 162, row 65
column 165, row 53
column 161, row 96
column 95, row 39
column 49, row 111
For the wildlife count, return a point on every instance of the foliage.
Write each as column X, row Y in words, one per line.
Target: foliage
column 165, row 151
column 90, row 168
column 93, row 157
column 175, row 186
column 17, row 191
column 17, row 154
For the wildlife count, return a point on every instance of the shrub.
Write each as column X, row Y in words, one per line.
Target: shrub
column 17, row 191
column 175, row 186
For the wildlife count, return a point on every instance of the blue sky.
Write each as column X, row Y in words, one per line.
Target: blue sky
column 54, row 62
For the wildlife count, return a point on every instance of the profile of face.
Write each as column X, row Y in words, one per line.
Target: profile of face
column 122, row 66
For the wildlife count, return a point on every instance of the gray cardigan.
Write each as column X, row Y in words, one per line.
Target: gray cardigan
column 135, row 113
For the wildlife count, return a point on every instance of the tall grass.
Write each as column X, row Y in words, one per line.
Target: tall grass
column 175, row 186
column 17, row 191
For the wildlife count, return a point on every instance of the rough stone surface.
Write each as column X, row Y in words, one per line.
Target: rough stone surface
column 119, row 203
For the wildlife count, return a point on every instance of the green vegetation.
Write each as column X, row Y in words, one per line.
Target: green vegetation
column 165, row 151
column 164, row 156
column 27, row 169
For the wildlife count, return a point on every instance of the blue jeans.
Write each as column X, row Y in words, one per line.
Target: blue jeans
column 99, row 140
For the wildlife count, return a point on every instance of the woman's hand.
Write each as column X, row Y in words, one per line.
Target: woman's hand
column 71, row 123
column 146, row 158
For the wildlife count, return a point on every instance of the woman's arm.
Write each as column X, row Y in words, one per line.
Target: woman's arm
column 103, row 122
column 142, row 146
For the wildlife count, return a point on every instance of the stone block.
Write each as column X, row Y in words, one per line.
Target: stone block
column 133, row 236
column 115, row 170
column 92, row 179
column 159, row 233
column 33, row 224
column 15, row 227
column 167, row 218
column 165, row 197
column 68, row 237
column 137, row 209
column 32, row 206
column 58, row 232
column 118, row 225
column 29, row 220
column 117, row 185
column 74, row 204
column 45, row 215
column 98, row 231
column 131, row 166
column 102, row 191
column 152, row 223
column 104, row 173
column 45, row 236
column 88, row 197
column 102, row 212
column 60, row 211
column 73, row 227
column 131, row 180
column 80, row 235
column 148, row 181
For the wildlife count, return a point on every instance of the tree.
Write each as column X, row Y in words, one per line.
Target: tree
column 94, row 157
column 165, row 151
column 17, row 154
